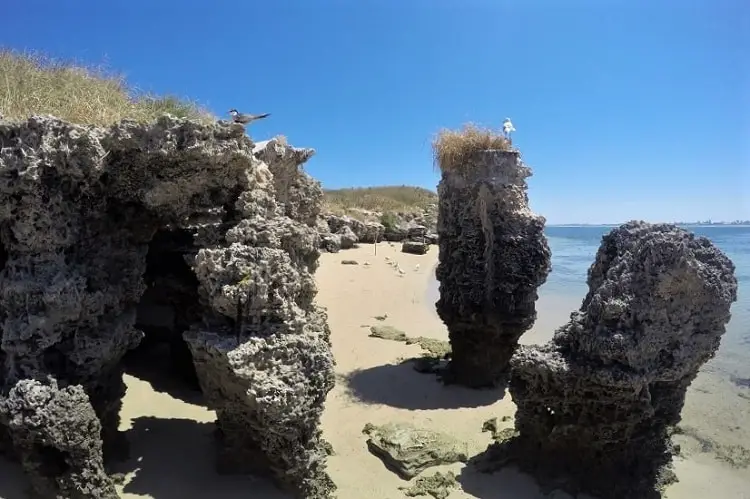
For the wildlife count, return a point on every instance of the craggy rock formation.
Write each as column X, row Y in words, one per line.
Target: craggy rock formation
column 596, row 403
column 353, row 229
column 438, row 485
column 56, row 433
column 407, row 450
column 493, row 258
column 415, row 247
column 83, row 210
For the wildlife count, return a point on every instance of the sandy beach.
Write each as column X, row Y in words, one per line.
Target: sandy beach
column 172, row 449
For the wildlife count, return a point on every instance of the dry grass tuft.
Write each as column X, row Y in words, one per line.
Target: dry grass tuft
column 394, row 198
column 34, row 84
column 452, row 148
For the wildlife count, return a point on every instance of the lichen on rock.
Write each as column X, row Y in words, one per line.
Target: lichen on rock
column 595, row 405
column 438, row 485
column 79, row 209
column 493, row 258
column 408, row 450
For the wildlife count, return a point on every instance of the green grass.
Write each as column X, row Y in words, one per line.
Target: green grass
column 385, row 199
column 34, row 84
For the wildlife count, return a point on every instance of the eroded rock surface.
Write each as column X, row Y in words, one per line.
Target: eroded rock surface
column 79, row 208
column 493, row 258
column 595, row 404
column 55, row 433
column 408, row 450
column 415, row 247
column 439, row 486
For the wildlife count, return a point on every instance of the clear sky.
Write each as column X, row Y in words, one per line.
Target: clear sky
column 624, row 108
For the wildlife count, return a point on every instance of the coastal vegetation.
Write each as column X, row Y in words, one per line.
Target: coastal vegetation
column 36, row 84
column 453, row 148
column 387, row 200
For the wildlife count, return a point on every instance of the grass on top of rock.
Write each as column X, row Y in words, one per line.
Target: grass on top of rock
column 453, row 148
column 33, row 84
column 384, row 199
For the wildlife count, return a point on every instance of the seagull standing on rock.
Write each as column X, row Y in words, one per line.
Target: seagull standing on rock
column 508, row 128
column 246, row 119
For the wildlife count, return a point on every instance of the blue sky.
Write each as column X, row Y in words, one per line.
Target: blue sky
column 624, row 109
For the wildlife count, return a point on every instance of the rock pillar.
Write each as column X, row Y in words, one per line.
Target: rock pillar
column 493, row 258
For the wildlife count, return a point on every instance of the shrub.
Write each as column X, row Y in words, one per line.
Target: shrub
column 452, row 148
column 33, row 84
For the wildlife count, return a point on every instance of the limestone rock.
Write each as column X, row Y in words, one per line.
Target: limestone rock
column 415, row 248
column 408, row 450
column 595, row 404
column 348, row 237
column 387, row 333
column 86, row 213
column 55, row 432
column 493, row 258
column 416, row 232
column 330, row 243
column 438, row 486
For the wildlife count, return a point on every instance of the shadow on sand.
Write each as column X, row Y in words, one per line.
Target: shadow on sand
column 13, row 482
column 154, row 365
column 174, row 459
column 508, row 482
column 399, row 385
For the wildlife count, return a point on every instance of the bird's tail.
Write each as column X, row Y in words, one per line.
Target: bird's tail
column 261, row 116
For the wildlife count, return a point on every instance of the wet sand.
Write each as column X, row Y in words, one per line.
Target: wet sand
column 172, row 450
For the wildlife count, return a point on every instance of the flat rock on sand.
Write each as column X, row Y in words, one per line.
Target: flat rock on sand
column 438, row 486
column 408, row 450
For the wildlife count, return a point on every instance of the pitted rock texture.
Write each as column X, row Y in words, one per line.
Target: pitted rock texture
column 595, row 404
column 493, row 258
column 415, row 247
column 80, row 207
column 55, row 433
column 362, row 232
column 299, row 195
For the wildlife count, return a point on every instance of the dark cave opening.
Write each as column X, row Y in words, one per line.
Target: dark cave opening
column 168, row 307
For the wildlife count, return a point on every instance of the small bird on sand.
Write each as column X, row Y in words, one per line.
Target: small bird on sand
column 416, row 268
column 246, row 119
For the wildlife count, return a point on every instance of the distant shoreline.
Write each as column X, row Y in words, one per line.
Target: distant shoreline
column 681, row 224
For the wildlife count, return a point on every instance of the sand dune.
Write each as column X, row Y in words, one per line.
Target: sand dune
column 171, row 434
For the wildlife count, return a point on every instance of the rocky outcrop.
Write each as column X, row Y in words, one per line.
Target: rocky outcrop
column 493, row 258
column 415, row 247
column 85, row 214
column 404, row 227
column 56, row 434
column 352, row 229
column 408, row 450
column 595, row 404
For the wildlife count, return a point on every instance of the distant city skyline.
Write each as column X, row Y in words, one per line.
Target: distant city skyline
column 615, row 126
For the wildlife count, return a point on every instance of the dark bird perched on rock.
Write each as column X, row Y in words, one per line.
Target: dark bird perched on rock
column 245, row 119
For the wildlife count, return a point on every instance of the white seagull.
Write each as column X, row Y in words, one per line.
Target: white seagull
column 508, row 128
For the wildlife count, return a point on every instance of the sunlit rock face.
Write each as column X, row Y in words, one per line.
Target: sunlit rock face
column 80, row 208
column 493, row 258
column 595, row 405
